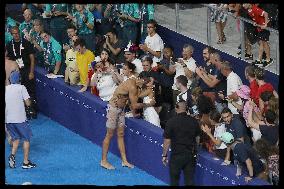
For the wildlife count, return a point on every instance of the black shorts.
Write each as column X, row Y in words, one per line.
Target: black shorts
column 263, row 35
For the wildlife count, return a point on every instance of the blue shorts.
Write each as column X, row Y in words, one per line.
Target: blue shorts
column 19, row 131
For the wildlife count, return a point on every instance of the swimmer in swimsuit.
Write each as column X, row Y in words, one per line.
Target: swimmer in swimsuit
column 126, row 91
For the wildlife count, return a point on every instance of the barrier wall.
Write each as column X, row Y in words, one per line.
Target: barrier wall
column 84, row 114
column 177, row 41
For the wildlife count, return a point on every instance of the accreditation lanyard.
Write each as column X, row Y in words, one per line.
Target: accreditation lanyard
column 21, row 47
column 47, row 51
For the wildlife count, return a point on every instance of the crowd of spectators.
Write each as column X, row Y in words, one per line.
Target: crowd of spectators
column 89, row 44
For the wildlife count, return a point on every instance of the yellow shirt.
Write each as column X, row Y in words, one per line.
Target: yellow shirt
column 83, row 63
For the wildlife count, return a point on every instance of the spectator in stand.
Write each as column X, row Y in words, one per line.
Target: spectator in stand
column 184, row 66
column 148, row 95
column 166, row 75
column 219, row 16
column 129, row 16
column 115, row 46
column 107, row 62
column 72, row 76
column 153, row 44
column 35, row 39
column 204, row 107
column 22, row 51
column 270, row 103
column 185, row 93
column 206, row 68
column 84, row 57
column 250, row 76
column 262, row 86
column 260, row 17
column 130, row 54
column 71, row 31
column 195, row 94
column 146, row 14
column 9, row 23
column 268, row 128
column 243, row 93
column 245, row 156
column 216, row 80
column 272, row 10
column 148, row 72
column 271, row 156
column 26, row 26
column 83, row 19
column 35, row 8
column 58, row 23
column 103, row 21
column 220, row 148
column 233, row 84
column 105, row 80
column 234, row 125
column 51, row 52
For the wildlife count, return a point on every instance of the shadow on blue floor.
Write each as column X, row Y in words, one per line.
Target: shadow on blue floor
column 63, row 157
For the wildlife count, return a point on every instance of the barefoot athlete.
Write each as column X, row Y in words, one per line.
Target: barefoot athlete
column 126, row 91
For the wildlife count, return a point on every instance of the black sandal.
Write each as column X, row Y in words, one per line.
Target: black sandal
column 220, row 41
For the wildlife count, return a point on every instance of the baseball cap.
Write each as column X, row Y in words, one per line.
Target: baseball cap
column 227, row 137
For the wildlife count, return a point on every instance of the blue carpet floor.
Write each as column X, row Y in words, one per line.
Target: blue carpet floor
column 65, row 158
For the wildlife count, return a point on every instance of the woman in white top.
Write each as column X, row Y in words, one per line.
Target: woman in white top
column 149, row 112
column 105, row 80
column 215, row 119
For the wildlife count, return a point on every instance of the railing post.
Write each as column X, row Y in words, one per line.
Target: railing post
column 177, row 16
column 242, row 39
column 208, row 26
column 277, row 54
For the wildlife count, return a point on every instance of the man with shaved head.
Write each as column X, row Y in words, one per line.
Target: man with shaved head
column 182, row 134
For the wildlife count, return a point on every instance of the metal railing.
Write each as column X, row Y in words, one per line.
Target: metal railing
column 195, row 23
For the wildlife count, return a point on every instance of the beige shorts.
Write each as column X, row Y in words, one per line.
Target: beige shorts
column 115, row 117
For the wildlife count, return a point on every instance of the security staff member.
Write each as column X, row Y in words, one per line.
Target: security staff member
column 182, row 134
column 22, row 51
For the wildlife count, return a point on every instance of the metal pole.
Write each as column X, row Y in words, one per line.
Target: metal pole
column 177, row 16
column 242, row 39
column 277, row 54
column 208, row 26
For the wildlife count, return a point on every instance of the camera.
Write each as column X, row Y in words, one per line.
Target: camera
column 105, row 36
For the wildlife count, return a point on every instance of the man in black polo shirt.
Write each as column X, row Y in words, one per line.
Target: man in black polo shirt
column 181, row 133
column 22, row 51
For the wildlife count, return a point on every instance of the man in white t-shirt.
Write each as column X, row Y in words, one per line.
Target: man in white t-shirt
column 16, row 96
column 153, row 44
column 185, row 66
column 233, row 84
column 130, row 56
